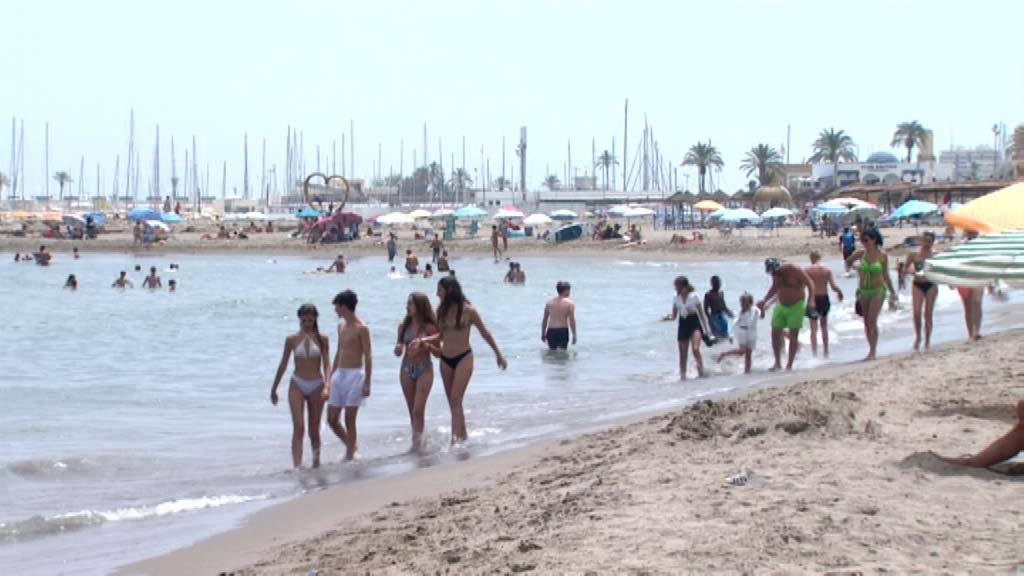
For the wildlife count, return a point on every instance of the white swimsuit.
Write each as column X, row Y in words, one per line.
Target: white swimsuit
column 307, row 349
column 745, row 329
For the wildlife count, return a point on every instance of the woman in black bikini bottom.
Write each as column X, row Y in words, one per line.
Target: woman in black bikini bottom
column 923, row 291
column 455, row 318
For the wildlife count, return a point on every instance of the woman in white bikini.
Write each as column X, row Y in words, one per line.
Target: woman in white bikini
column 417, row 372
column 455, row 318
column 312, row 354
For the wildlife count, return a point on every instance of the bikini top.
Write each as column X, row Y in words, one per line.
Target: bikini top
column 407, row 335
column 869, row 269
column 307, row 349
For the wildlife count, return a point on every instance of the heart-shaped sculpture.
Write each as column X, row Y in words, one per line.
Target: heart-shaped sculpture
column 327, row 184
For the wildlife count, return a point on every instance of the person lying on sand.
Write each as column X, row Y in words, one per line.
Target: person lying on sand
column 1002, row 449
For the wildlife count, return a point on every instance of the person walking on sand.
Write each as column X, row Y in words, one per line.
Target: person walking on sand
column 559, row 319
column 494, row 243
column 152, row 281
column 417, row 372
column 692, row 324
column 789, row 285
column 311, row 352
column 716, row 310
column 503, row 230
column 972, row 298
column 392, row 247
column 874, row 281
column 350, row 377
column 822, row 277
column 455, row 319
column 435, row 248
column 745, row 333
column 923, row 292
column 847, row 245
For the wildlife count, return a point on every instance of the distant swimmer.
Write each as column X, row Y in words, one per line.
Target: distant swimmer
column 456, row 317
column 511, row 274
column 823, row 279
column 74, row 252
column 394, row 273
column 412, row 263
column 442, row 262
column 789, row 285
column 417, row 372
column 435, row 248
column 153, row 280
column 312, row 355
column 172, row 286
column 744, row 331
column 428, row 271
column 350, row 377
column 122, row 281
column 519, row 277
column 688, row 309
column 559, row 319
column 43, row 257
column 338, row 265
column 71, row 283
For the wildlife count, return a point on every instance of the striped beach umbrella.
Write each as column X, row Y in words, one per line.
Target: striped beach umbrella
column 980, row 262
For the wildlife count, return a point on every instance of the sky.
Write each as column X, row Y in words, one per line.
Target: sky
column 735, row 72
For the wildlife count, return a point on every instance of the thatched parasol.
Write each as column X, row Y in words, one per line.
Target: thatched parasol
column 773, row 195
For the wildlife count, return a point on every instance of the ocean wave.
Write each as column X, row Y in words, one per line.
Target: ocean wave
column 47, row 469
column 39, row 526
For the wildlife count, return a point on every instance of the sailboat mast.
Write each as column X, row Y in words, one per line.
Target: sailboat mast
column 46, row 174
column 625, row 146
column 264, row 191
column 245, row 176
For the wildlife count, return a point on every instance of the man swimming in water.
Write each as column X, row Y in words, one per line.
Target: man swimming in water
column 559, row 318
column 152, row 281
column 442, row 262
column 823, row 279
column 338, row 265
column 122, row 281
column 353, row 366
column 789, row 283
column 412, row 263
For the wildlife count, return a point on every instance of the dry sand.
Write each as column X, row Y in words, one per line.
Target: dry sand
column 840, row 481
column 789, row 242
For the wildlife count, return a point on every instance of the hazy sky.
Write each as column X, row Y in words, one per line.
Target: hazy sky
column 736, row 72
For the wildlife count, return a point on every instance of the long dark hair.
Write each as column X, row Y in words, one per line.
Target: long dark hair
column 423, row 312
column 453, row 296
column 310, row 310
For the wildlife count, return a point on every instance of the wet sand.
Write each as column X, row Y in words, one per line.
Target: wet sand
column 841, row 479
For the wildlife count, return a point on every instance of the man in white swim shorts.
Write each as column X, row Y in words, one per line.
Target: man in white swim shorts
column 350, row 378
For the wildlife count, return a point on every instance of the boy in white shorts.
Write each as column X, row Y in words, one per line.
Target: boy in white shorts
column 350, row 378
column 744, row 332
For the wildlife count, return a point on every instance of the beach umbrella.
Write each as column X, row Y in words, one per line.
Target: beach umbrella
column 777, row 213
column 508, row 214
column 442, row 212
column 51, row 216
column 21, row 215
column 420, row 213
column 537, row 220
column 564, row 215
column 170, row 218
column 739, row 215
column 73, row 220
column 255, row 215
column 999, row 210
column 708, row 206
column 639, row 212
column 980, row 262
column 307, row 213
column 618, row 211
column 470, row 212
column 913, row 208
column 143, row 214
column 158, row 224
column 851, row 202
column 395, row 218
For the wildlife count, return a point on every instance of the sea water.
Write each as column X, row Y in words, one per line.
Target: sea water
column 135, row 422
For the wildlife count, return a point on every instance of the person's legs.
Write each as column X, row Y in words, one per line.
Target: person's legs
column 918, row 304
column 695, row 340
column 334, row 423
column 456, row 392
column 965, row 299
column 979, row 296
column 929, row 310
column 823, row 322
column 777, row 348
column 794, row 345
column 315, row 408
column 419, row 407
column 872, row 308
column 295, row 402
column 350, row 424
column 814, row 337
column 408, row 390
column 684, row 351
column 747, row 353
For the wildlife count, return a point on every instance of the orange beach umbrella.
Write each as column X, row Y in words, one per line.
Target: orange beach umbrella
column 999, row 210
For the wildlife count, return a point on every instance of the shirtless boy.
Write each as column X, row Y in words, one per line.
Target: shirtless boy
column 153, row 280
column 822, row 278
column 122, row 281
column 353, row 366
column 559, row 319
column 789, row 283
column 338, row 265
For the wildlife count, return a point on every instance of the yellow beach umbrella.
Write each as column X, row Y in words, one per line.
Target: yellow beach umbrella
column 420, row 213
column 51, row 216
column 999, row 210
column 20, row 215
column 708, row 205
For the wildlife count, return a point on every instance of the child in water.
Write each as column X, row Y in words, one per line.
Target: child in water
column 716, row 310
column 745, row 332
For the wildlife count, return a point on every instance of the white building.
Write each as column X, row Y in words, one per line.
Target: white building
column 879, row 168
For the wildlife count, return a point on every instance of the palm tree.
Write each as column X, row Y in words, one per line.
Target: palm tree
column 703, row 156
column 501, row 183
column 4, row 181
column 436, row 180
column 63, row 178
column 763, row 160
column 833, row 146
column 552, row 182
column 605, row 161
column 908, row 135
column 459, row 181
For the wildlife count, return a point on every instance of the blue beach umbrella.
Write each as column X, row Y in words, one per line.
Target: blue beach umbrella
column 469, row 212
column 143, row 214
column 308, row 213
column 913, row 208
column 740, row 215
column 170, row 218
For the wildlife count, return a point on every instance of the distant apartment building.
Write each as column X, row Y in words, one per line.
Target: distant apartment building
column 963, row 163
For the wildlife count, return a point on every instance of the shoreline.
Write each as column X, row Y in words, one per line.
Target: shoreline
column 337, row 528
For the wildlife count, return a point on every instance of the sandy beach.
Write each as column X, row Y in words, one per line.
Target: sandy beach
column 789, row 242
column 842, row 480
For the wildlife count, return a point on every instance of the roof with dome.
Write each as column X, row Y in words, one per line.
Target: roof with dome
column 883, row 157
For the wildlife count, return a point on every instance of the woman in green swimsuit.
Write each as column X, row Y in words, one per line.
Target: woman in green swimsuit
column 874, row 283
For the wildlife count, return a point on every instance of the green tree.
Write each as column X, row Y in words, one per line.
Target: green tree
column 703, row 156
column 605, row 161
column 4, row 181
column 501, row 183
column 908, row 135
column 763, row 160
column 62, row 178
column 833, row 146
column 458, row 182
column 552, row 182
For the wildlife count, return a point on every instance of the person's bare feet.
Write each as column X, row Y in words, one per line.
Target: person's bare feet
column 917, row 344
column 775, row 368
